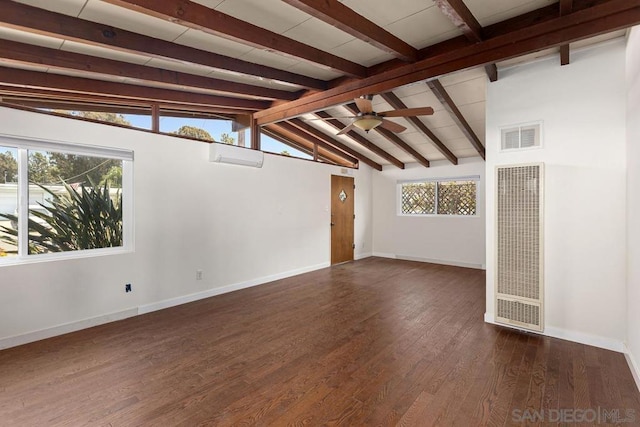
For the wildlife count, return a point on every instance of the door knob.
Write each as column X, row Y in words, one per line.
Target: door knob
column 333, row 223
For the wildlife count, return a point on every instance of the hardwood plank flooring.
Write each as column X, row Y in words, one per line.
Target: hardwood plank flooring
column 375, row 342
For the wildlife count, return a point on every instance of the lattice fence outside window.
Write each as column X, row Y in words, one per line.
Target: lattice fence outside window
column 457, row 198
column 419, row 198
column 438, row 197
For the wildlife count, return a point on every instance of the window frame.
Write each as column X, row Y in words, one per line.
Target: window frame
column 23, row 145
column 437, row 180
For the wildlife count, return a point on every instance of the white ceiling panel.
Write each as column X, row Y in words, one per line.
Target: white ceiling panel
column 252, row 80
column 211, row 4
column 173, row 65
column 361, row 52
column 272, row 59
column 102, row 52
column 105, row 13
column 11, row 64
column 203, row 41
column 318, row 34
column 273, row 15
column 86, row 75
column 489, row 12
column 424, row 28
column 30, row 38
column 312, row 70
column 383, row 15
column 468, row 92
column 463, row 76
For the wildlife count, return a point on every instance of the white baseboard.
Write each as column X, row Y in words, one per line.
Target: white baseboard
column 583, row 338
column 147, row 308
column 362, row 256
column 633, row 365
column 430, row 260
column 65, row 328
column 565, row 334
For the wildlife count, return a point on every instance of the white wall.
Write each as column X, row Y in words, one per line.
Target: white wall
column 240, row 225
column 582, row 106
column 440, row 239
column 633, row 200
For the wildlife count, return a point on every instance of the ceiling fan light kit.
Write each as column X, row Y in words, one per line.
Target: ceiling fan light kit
column 367, row 122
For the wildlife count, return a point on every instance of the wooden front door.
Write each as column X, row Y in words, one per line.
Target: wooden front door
column 341, row 219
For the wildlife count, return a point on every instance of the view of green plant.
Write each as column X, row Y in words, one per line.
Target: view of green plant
column 194, row 132
column 86, row 218
column 8, row 167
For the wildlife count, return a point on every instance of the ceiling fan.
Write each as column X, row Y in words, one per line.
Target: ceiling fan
column 368, row 119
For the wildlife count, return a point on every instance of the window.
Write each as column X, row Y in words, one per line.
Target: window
column 59, row 198
column 438, row 197
column 518, row 137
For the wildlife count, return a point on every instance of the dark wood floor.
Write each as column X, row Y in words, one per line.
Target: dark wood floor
column 373, row 342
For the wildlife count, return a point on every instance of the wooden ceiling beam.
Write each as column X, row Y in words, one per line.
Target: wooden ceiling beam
column 315, row 133
column 460, row 15
column 40, row 21
column 267, row 130
column 42, row 98
column 334, row 155
column 211, row 21
column 338, row 125
column 455, row 55
column 395, row 102
column 291, row 129
column 33, row 79
column 565, row 53
column 444, row 98
column 340, row 16
column 62, row 60
column 394, row 139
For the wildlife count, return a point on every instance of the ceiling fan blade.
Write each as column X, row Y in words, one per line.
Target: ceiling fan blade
column 329, row 118
column 346, row 129
column 364, row 105
column 405, row 112
column 392, row 126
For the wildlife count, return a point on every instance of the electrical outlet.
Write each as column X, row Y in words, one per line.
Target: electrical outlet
column 198, row 274
column 127, row 287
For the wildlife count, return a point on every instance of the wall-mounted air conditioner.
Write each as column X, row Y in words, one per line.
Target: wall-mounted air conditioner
column 232, row 154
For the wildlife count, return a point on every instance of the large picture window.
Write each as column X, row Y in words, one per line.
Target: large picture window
column 58, row 199
column 438, row 197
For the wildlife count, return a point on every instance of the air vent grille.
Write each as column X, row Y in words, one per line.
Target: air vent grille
column 518, row 313
column 519, row 244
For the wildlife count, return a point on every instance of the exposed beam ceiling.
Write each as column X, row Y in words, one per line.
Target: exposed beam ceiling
column 33, row 79
column 394, row 139
column 340, row 16
column 460, row 15
column 61, row 60
column 395, row 102
column 316, row 134
column 197, row 16
column 40, row 21
column 291, row 132
column 260, row 63
column 338, row 125
column 444, row 98
column 307, row 148
column 507, row 40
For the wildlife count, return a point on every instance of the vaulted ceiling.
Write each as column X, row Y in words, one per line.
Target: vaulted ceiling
column 291, row 68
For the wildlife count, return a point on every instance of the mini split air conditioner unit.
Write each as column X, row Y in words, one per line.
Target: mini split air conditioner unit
column 224, row 153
